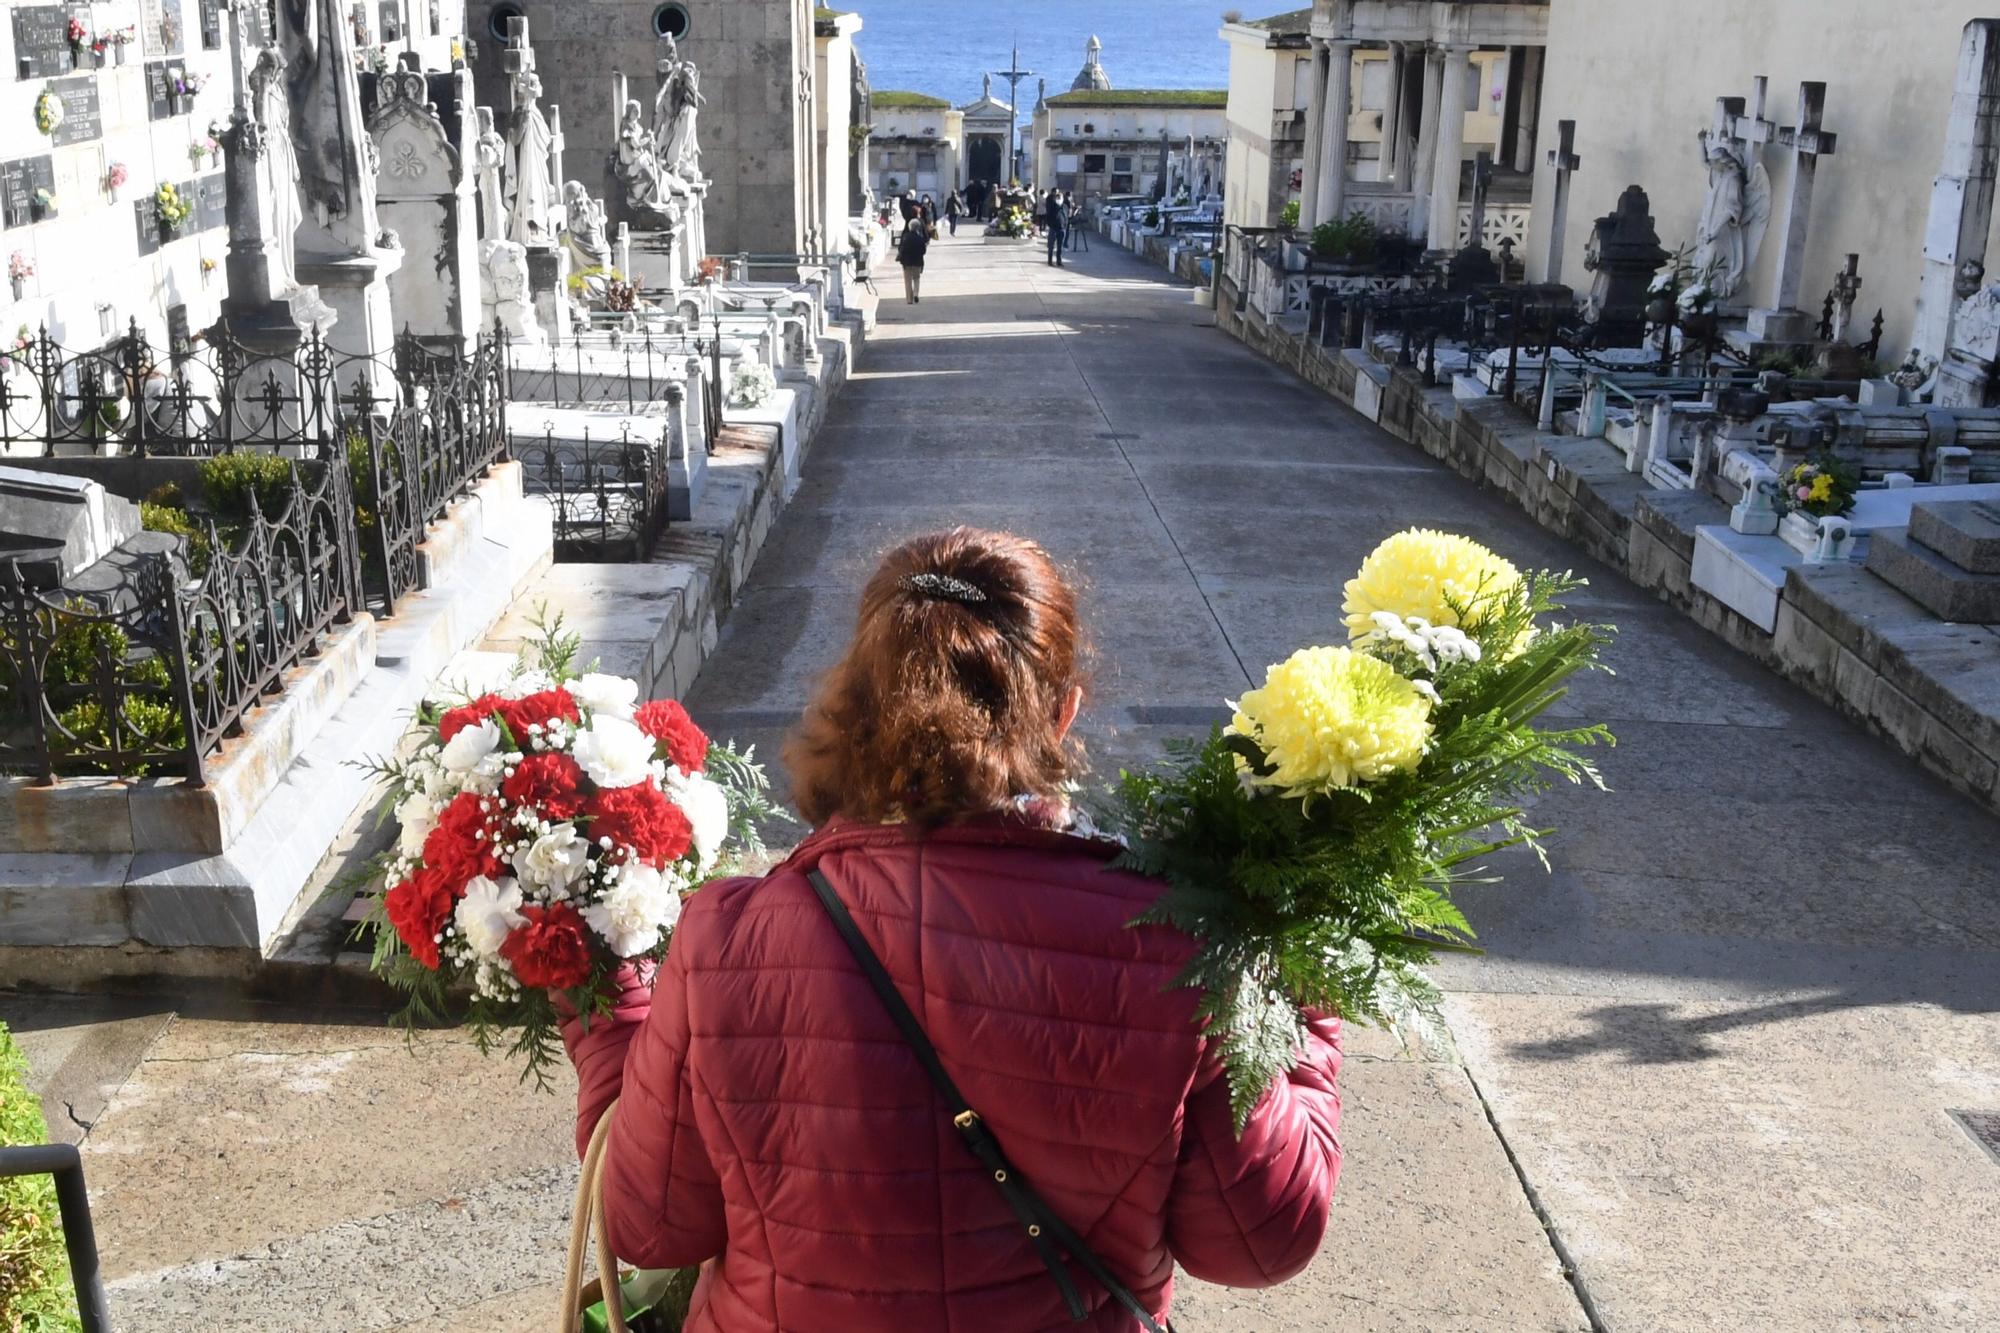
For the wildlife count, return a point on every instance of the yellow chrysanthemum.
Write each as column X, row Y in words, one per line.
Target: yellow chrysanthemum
column 1431, row 575
column 1332, row 717
column 1822, row 488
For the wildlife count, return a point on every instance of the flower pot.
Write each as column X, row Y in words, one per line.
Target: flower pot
column 20, row 286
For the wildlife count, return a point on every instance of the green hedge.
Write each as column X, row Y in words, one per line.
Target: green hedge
column 35, row 1293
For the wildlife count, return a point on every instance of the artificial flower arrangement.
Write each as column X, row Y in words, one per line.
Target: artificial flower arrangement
column 547, row 832
column 172, row 206
column 19, row 269
column 200, row 151
column 48, row 111
column 1822, row 486
column 1312, row 845
column 751, row 384
column 115, row 177
column 79, row 36
column 187, row 85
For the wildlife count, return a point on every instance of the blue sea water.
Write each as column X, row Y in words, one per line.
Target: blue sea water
column 942, row 47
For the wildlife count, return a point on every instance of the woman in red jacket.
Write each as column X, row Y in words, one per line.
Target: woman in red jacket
column 775, row 1125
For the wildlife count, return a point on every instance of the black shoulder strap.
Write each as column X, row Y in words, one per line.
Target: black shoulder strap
column 1048, row 1233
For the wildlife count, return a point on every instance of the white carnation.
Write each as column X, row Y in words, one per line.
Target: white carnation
column 471, row 747
column 707, row 807
column 632, row 913
column 417, row 814
column 614, row 752
column 605, row 696
column 486, row 913
column 555, row 860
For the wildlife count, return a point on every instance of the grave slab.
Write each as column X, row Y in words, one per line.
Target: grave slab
column 1965, row 532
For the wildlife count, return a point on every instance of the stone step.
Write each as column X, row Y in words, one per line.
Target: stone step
column 1965, row 532
column 1946, row 590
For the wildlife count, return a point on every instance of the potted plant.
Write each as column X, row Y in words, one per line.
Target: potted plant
column 115, row 177
column 19, row 269
column 1823, row 486
column 1289, row 219
column 172, row 207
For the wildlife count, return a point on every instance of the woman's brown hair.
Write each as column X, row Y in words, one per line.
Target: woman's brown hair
column 949, row 701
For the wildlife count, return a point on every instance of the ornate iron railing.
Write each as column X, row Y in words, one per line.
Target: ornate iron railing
column 150, row 674
column 608, row 494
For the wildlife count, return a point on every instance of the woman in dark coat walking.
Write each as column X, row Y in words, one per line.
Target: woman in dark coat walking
column 910, row 254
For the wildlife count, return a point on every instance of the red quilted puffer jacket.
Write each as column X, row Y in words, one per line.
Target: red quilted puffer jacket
column 774, row 1121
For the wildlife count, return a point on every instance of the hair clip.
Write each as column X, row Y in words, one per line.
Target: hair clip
column 943, row 588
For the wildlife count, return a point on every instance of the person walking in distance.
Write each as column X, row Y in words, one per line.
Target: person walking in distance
column 954, row 209
column 1055, row 221
column 910, row 254
column 781, row 1124
column 1079, row 235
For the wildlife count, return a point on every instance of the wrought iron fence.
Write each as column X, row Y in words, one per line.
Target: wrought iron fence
column 608, row 494
column 148, row 674
column 65, row 1164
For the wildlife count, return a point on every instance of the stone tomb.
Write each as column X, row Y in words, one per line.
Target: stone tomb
column 53, row 526
column 585, row 441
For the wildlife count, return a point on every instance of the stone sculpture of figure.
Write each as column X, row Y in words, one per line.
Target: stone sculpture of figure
column 533, row 193
column 508, row 300
column 667, row 66
column 490, row 170
column 680, row 150
column 268, row 103
column 585, row 235
column 334, row 155
column 1732, row 218
column 637, row 163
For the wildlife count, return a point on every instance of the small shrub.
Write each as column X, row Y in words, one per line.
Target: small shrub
column 1289, row 219
column 35, row 1289
column 230, row 480
column 158, row 517
column 1351, row 239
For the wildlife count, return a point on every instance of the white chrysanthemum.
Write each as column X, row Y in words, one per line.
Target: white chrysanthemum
column 707, row 807
column 605, row 696
column 556, row 859
column 614, row 752
column 417, row 814
column 486, row 913
column 633, row 911
column 472, row 746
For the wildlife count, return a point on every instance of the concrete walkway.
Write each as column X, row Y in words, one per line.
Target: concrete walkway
column 1717, row 1047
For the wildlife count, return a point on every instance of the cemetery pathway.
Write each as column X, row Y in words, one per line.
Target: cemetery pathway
column 1717, row 1047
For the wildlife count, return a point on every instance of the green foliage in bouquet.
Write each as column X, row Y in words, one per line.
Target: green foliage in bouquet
column 1312, row 847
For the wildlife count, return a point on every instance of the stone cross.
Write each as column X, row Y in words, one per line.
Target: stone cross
column 1564, row 159
column 1846, row 288
column 1754, row 130
column 1808, row 143
column 556, row 142
column 1482, row 178
column 516, row 60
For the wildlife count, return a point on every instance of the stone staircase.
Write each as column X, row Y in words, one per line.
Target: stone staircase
column 1947, row 560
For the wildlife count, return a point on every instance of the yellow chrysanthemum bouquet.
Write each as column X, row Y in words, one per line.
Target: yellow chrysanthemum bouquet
column 1312, row 845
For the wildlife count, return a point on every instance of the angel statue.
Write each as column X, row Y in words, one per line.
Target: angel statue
column 680, row 152
column 1733, row 217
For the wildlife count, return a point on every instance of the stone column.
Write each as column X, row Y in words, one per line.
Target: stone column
column 1427, row 128
column 1405, row 116
column 1333, row 132
column 1392, row 115
column 1961, row 210
column 1315, row 132
column 1450, row 150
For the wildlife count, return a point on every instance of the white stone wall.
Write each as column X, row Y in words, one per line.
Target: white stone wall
column 1267, row 85
column 92, row 274
column 902, row 133
column 1060, row 131
column 1640, row 80
column 833, row 75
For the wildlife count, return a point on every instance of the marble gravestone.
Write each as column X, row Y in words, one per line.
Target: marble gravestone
column 342, row 247
column 422, row 125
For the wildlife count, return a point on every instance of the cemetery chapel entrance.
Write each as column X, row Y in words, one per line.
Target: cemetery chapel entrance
column 982, row 162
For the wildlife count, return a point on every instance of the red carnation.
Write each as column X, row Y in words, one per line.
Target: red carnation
column 541, row 709
column 669, row 724
column 642, row 818
column 418, row 909
column 547, row 783
column 461, row 846
column 551, row 951
column 467, row 715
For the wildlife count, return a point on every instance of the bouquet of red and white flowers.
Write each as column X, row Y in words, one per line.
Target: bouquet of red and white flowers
column 547, row 831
